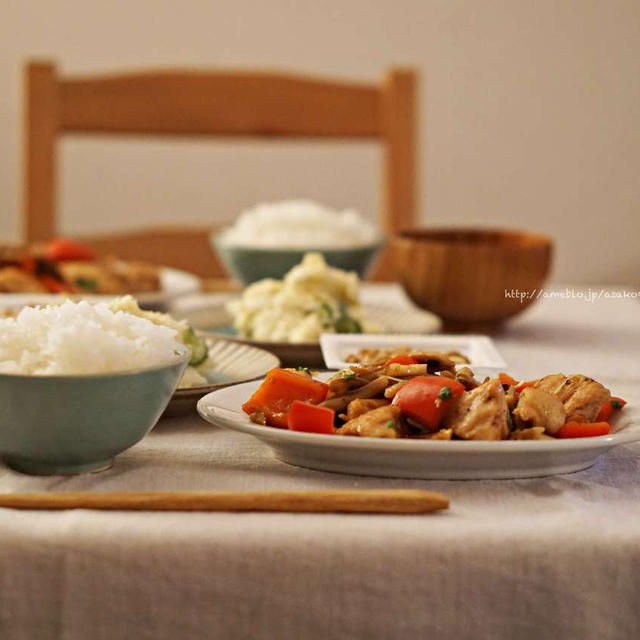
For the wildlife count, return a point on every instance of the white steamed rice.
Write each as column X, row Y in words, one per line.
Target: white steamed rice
column 299, row 224
column 82, row 338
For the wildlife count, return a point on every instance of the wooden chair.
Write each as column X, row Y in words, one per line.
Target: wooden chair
column 223, row 104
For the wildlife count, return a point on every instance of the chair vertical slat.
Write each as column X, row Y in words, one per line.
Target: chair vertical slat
column 399, row 133
column 40, row 131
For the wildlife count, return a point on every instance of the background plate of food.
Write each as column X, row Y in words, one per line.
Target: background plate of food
column 288, row 316
column 472, row 430
column 67, row 269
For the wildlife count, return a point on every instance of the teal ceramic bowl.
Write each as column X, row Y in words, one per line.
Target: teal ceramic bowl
column 74, row 424
column 249, row 264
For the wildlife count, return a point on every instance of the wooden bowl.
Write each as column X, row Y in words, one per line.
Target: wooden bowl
column 472, row 278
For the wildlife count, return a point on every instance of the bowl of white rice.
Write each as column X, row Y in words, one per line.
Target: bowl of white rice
column 269, row 239
column 80, row 383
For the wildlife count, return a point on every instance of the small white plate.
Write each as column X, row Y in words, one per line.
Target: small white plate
column 480, row 350
column 426, row 459
column 173, row 283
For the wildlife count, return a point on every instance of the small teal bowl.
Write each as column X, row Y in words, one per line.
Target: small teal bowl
column 75, row 424
column 249, row 264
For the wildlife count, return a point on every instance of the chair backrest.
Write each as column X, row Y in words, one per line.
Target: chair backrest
column 216, row 104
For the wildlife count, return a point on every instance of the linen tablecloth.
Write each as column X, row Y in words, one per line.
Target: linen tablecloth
column 555, row 557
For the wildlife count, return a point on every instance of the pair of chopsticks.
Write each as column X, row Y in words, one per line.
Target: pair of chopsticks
column 400, row 501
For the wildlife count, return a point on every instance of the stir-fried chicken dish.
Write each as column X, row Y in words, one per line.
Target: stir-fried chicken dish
column 432, row 397
column 65, row 266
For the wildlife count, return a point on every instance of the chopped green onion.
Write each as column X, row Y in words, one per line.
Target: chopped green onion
column 616, row 404
column 391, row 424
column 510, row 420
column 445, row 393
column 304, row 370
column 348, row 374
column 87, row 283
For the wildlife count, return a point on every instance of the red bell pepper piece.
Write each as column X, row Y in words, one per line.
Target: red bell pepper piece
column 61, row 249
column 583, row 429
column 613, row 404
column 279, row 390
column 307, row 417
column 505, row 378
column 53, row 285
column 426, row 399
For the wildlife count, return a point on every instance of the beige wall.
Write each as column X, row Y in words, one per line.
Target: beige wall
column 530, row 113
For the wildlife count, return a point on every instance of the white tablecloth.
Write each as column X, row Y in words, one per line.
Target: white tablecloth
column 555, row 557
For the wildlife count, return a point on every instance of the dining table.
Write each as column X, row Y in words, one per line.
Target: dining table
column 528, row 558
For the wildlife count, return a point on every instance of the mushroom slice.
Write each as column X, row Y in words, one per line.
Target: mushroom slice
column 466, row 379
column 390, row 392
column 396, row 370
column 371, row 390
column 434, row 360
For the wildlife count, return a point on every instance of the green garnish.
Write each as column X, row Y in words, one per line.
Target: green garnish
column 345, row 323
column 510, row 420
column 391, row 424
column 87, row 283
column 445, row 393
column 616, row 404
column 304, row 370
column 348, row 375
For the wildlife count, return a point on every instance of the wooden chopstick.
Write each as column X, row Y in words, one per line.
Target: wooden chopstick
column 337, row 501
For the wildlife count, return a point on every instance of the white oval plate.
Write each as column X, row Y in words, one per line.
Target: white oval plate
column 426, row 459
column 215, row 319
column 173, row 283
column 231, row 363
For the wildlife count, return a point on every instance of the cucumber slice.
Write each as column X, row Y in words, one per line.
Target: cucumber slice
column 198, row 346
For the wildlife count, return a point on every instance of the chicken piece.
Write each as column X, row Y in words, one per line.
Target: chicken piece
column 539, row 408
column 531, row 433
column 360, row 406
column 582, row 397
column 384, row 422
column 480, row 414
column 15, row 280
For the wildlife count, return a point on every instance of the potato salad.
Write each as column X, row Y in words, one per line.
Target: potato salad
column 313, row 298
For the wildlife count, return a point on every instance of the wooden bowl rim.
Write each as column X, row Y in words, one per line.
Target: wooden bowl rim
column 476, row 238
